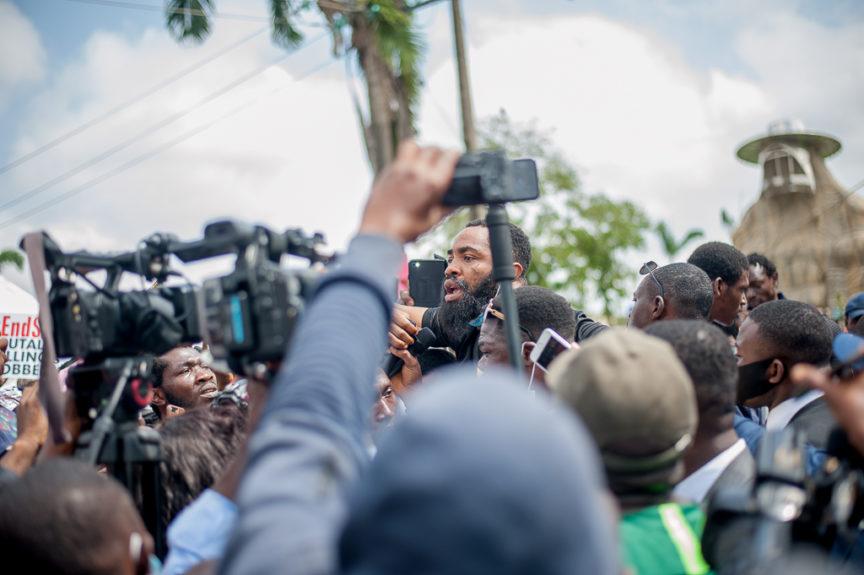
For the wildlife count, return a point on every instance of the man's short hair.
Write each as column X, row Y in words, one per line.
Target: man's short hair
column 719, row 260
column 705, row 352
column 757, row 259
column 794, row 331
column 196, row 448
column 688, row 287
column 540, row 308
column 159, row 365
column 521, row 243
column 63, row 516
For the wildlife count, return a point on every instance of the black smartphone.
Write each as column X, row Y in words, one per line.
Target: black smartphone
column 426, row 282
column 489, row 177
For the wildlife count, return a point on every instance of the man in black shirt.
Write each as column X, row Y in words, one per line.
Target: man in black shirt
column 468, row 287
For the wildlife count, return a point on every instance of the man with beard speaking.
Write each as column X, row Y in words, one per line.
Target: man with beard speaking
column 468, row 287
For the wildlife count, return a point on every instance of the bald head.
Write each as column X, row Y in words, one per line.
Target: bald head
column 65, row 517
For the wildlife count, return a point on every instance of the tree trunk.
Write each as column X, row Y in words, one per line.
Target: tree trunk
column 390, row 118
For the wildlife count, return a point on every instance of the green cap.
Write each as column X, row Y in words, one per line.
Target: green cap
column 634, row 396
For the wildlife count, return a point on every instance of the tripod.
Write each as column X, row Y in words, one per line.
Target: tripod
column 120, row 388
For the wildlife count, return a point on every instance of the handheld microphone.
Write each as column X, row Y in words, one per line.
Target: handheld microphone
column 424, row 338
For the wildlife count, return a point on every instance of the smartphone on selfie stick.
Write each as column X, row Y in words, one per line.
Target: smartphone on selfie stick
column 490, row 178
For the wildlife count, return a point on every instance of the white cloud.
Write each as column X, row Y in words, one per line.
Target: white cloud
column 635, row 116
column 291, row 159
column 22, row 57
column 636, row 120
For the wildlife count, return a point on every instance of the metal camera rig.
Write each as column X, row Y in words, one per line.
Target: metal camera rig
column 246, row 317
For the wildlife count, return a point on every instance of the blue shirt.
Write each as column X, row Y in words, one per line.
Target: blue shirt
column 200, row 532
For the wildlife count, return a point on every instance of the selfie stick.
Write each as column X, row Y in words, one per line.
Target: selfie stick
column 501, row 246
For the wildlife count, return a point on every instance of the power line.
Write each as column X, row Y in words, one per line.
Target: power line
column 117, row 109
column 163, row 9
column 150, row 130
column 156, row 151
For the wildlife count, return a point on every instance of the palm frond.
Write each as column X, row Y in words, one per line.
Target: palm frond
column 726, row 218
column 285, row 33
column 666, row 239
column 189, row 19
column 691, row 235
column 13, row 257
column 400, row 43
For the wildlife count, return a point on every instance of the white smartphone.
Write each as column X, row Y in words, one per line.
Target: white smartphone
column 548, row 347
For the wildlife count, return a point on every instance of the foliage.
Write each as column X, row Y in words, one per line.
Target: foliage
column 383, row 28
column 189, row 19
column 671, row 246
column 578, row 238
column 399, row 43
column 13, row 257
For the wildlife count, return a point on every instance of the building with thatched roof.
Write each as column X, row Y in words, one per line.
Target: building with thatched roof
column 804, row 220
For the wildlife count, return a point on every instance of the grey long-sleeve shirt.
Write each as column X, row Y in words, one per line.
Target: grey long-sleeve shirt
column 309, row 444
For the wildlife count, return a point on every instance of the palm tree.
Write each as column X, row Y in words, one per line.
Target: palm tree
column 382, row 35
column 13, row 257
column 672, row 246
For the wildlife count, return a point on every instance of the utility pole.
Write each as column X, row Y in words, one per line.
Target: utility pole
column 469, row 134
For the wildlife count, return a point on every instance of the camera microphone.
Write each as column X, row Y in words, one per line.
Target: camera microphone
column 424, row 338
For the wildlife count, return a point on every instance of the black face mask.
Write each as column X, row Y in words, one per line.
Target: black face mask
column 752, row 381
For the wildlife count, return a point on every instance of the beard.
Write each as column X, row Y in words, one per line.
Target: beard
column 453, row 317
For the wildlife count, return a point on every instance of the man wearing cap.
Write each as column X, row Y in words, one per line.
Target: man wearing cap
column 638, row 403
column 854, row 310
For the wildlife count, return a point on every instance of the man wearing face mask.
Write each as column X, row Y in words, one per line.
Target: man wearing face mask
column 776, row 336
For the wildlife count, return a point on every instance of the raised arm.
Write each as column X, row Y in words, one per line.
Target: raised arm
column 310, row 442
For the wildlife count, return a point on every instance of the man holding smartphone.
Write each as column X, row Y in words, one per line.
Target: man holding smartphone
column 468, row 287
column 540, row 309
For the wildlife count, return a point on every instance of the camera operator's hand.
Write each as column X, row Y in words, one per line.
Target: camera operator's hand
column 406, row 198
column 846, row 399
column 32, row 432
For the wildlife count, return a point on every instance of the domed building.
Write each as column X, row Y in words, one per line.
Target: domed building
column 804, row 220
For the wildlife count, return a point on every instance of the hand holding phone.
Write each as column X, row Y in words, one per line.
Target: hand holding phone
column 548, row 347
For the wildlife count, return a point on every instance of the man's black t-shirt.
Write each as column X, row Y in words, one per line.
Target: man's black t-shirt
column 468, row 348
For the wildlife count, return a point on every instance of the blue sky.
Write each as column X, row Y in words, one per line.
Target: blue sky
column 648, row 99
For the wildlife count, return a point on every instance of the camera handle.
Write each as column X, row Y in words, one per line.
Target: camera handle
column 501, row 245
column 131, row 453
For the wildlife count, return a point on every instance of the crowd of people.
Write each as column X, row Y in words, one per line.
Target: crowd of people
column 687, row 442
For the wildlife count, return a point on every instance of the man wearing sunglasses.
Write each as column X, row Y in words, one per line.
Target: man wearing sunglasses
column 539, row 308
column 674, row 291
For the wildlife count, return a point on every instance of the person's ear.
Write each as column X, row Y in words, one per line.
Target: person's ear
column 518, row 271
column 776, row 372
column 719, row 287
column 159, row 397
column 658, row 307
column 527, row 348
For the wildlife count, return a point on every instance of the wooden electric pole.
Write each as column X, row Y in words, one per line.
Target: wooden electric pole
column 469, row 134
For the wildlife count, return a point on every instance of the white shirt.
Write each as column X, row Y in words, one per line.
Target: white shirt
column 780, row 416
column 695, row 486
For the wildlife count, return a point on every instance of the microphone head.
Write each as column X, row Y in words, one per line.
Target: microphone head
column 424, row 338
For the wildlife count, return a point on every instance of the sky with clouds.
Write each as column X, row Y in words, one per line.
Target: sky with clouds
column 648, row 99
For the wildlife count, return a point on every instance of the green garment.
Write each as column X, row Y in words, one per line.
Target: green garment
column 663, row 540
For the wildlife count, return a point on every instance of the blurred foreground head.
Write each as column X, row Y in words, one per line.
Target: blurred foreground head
column 638, row 403
column 481, row 477
column 64, row 517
